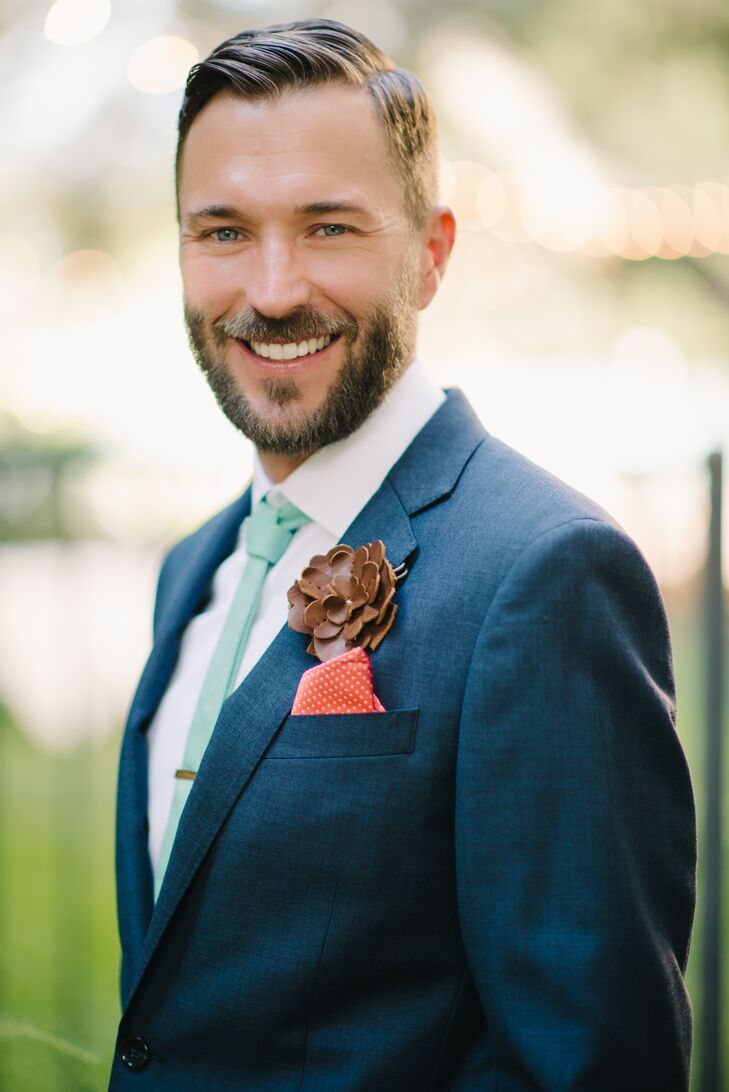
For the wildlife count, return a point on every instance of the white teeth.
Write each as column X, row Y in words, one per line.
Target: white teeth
column 275, row 351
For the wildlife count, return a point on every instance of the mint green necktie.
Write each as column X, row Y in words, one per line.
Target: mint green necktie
column 269, row 531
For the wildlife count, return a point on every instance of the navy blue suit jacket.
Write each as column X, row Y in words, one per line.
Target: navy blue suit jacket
column 488, row 887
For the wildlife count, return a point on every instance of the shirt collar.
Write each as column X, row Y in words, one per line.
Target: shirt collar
column 334, row 484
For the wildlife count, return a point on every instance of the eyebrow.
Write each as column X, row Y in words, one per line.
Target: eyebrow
column 214, row 212
column 313, row 208
column 322, row 208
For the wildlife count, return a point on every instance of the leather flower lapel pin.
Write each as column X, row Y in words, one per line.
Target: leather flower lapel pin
column 343, row 602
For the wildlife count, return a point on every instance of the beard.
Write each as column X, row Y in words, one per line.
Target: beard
column 385, row 348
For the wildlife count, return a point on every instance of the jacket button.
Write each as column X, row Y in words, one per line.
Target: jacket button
column 135, row 1053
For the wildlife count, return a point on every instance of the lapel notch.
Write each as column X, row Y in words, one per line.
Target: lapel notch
column 430, row 468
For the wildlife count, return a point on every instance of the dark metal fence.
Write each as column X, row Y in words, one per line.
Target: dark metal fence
column 709, row 1047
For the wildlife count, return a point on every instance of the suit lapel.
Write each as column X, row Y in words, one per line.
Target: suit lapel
column 430, row 468
column 252, row 715
column 190, row 587
column 187, row 593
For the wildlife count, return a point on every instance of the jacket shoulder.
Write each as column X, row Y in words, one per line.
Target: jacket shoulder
column 516, row 502
column 506, row 510
column 536, row 497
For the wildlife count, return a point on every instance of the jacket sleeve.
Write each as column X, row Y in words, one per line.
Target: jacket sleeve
column 575, row 830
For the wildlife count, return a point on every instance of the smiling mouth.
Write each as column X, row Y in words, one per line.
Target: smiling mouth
column 290, row 350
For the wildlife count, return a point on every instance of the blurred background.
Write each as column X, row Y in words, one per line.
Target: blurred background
column 585, row 149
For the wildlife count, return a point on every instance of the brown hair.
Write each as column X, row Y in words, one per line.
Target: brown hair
column 260, row 64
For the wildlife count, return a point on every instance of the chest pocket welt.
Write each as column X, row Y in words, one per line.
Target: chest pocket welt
column 346, row 735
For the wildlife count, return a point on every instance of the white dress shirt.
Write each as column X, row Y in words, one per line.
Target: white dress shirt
column 331, row 487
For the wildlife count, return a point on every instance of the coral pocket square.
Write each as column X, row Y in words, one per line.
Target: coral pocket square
column 341, row 685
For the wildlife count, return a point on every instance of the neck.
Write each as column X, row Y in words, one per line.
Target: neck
column 278, row 467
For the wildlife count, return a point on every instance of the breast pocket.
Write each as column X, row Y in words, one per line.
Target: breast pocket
column 346, row 735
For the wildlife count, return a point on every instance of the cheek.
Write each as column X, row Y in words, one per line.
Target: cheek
column 210, row 285
column 351, row 281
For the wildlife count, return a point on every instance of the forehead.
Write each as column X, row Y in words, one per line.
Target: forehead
column 303, row 146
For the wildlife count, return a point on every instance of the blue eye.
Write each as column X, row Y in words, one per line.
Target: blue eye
column 332, row 230
column 226, row 234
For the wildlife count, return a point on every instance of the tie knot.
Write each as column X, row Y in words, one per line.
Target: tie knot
column 270, row 530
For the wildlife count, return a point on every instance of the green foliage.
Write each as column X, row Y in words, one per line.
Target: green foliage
column 58, row 941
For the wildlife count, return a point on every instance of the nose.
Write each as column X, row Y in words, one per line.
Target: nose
column 277, row 283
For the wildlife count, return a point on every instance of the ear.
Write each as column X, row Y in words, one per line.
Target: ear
column 437, row 237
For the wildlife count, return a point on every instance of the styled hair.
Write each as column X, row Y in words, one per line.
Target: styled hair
column 263, row 63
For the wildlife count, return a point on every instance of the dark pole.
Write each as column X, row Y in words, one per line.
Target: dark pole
column 711, row 1008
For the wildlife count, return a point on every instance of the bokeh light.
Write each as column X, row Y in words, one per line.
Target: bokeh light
column 75, row 22
column 160, row 65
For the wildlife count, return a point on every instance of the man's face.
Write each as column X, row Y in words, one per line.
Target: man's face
column 295, row 240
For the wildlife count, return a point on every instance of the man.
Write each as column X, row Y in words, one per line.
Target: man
column 490, row 884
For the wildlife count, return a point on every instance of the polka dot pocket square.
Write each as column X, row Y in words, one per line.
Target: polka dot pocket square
column 340, row 685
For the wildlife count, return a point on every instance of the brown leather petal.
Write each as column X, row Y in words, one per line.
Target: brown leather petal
column 319, row 577
column 346, row 586
column 371, row 580
column 340, row 548
column 343, row 598
column 352, row 629
column 295, row 619
column 360, row 557
column 379, row 632
column 383, row 609
column 315, row 613
column 337, row 609
column 319, row 561
column 341, row 566
column 295, row 595
column 360, row 596
column 313, row 582
column 376, row 551
column 327, row 650
column 387, row 591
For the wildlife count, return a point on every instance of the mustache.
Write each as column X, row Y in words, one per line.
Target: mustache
column 301, row 326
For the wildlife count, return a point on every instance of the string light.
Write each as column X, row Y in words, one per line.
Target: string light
column 679, row 232
column 569, row 215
